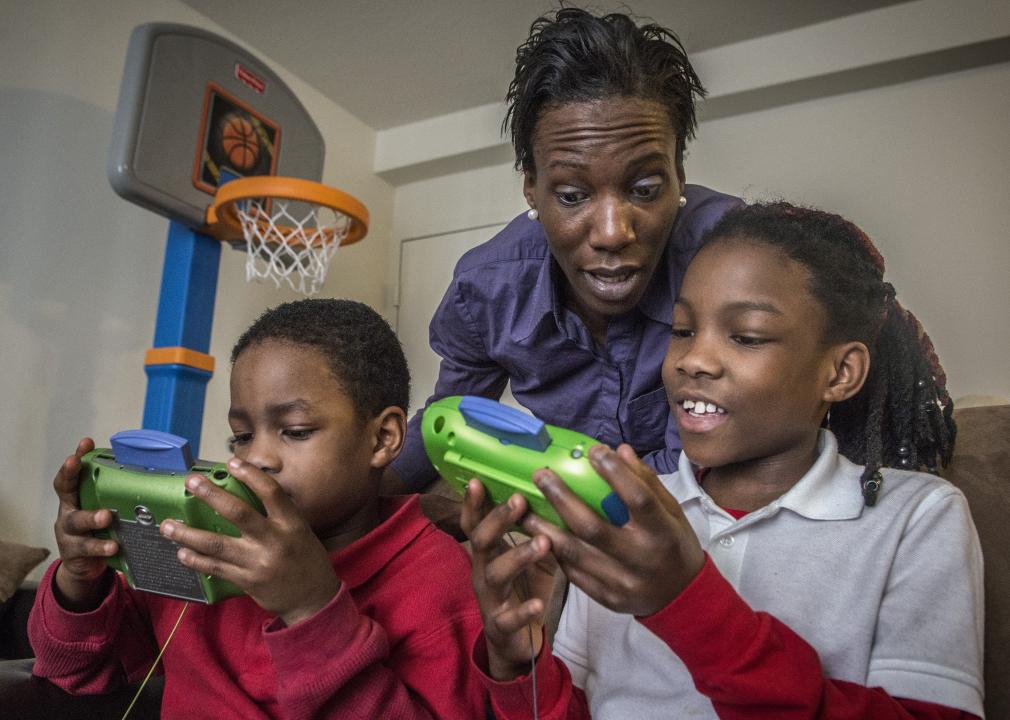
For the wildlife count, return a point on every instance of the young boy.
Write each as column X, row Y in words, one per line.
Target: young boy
column 355, row 605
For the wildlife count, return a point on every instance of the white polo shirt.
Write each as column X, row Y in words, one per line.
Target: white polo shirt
column 889, row 596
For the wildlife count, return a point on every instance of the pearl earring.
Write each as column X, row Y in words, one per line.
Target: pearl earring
column 532, row 214
column 683, row 201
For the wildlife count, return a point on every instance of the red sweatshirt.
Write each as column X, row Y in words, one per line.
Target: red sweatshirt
column 750, row 665
column 393, row 642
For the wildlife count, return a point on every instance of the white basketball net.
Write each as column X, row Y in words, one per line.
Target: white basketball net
column 289, row 245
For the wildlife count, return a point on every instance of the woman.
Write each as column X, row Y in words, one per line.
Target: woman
column 571, row 302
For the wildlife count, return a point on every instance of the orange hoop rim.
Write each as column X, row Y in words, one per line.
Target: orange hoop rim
column 222, row 214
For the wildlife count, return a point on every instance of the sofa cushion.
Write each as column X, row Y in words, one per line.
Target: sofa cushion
column 980, row 468
column 16, row 561
column 26, row 697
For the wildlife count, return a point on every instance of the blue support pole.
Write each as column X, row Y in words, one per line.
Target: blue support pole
column 176, row 392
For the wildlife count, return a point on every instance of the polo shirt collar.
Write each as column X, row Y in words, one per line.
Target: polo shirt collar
column 828, row 491
column 401, row 523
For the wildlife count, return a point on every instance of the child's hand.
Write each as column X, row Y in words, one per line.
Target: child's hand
column 278, row 561
column 81, row 578
column 637, row 568
column 498, row 572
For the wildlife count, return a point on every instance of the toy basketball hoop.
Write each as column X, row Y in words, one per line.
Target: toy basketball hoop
column 290, row 227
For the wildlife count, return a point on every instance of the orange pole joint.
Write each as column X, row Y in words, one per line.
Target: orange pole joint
column 179, row 356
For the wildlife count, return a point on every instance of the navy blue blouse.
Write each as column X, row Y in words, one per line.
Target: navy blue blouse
column 501, row 320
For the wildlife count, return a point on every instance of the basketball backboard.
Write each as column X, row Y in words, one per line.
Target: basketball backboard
column 195, row 108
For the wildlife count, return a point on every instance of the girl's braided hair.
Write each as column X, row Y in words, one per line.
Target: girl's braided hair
column 902, row 417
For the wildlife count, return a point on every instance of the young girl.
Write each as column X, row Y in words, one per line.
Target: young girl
column 772, row 576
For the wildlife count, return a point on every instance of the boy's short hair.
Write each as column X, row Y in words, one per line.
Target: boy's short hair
column 363, row 352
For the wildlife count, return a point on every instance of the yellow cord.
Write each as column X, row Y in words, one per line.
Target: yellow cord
column 156, row 660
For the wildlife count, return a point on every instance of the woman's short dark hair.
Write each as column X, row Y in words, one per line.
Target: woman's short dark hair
column 575, row 56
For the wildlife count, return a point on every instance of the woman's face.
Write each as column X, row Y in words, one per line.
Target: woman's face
column 607, row 192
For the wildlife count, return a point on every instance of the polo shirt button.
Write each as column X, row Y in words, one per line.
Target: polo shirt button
column 726, row 541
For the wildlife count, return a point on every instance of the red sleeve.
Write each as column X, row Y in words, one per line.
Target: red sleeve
column 751, row 665
column 340, row 659
column 91, row 652
column 557, row 698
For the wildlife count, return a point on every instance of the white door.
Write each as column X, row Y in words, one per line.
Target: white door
column 426, row 266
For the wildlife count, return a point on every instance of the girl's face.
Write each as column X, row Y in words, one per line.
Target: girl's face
column 607, row 192
column 747, row 373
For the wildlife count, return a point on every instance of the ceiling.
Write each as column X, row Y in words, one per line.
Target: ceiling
column 392, row 62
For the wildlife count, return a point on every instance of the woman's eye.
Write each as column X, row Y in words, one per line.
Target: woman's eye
column 570, row 196
column 647, row 189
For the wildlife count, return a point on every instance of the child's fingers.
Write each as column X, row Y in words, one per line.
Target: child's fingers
column 74, row 538
column 76, row 547
column 636, row 568
column 232, row 508
column 224, row 548
column 650, row 478
column 605, row 578
column 84, row 522
column 504, row 569
column 210, row 565
column 573, row 553
column 608, row 589
column 66, row 480
column 211, row 553
column 474, row 506
column 627, row 476
column 89, row 547
column 582, row 521
column 485, row 538
column 517, row 618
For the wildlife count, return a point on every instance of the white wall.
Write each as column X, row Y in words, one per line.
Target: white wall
column 437, row 221
column 80, row 267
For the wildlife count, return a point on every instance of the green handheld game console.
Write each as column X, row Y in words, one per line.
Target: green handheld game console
column 141, row 480
column 469, row 436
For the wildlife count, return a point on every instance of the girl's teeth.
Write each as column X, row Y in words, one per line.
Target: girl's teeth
column 701, row 408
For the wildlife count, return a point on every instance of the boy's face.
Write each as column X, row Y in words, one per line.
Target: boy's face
column 747, row 352
column 293, row 420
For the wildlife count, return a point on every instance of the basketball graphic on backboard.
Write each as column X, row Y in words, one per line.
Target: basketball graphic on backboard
column 234, row 137
column 239, row 142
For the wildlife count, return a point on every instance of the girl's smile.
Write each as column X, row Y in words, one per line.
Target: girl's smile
column 698, row 415
column 747, row 371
